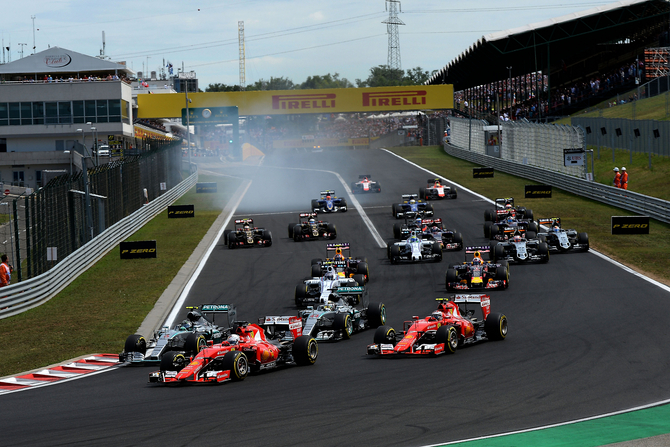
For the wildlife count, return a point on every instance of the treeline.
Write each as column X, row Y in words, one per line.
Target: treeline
column 381, row 76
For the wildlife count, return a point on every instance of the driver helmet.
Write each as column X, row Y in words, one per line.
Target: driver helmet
column 328, row 197
column 330, row 273
column 435, row 229
column 338, row 254
column 234, row 339
column 510, row 220
column 412, row 201
column 193, row 316
column 437, row 182
column 556, row 227
column 365, row 179
column 246, row 226
column 508, row 206
column 418, row 222
column 312, row 220
column 517, row 237
column 185, row 326
column 437, row 315
column 477, row 260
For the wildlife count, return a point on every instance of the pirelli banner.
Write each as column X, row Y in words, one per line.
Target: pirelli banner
column 538, row 191
column 289, row 102
column 630, row 224
column 138, row 249
column 181, row 211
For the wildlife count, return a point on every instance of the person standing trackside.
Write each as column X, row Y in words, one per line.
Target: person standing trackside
column 5, row 272
column 617, row 178
column 624, row 178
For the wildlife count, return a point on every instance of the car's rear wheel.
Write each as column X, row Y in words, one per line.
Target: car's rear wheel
column 498, row 252
column 384, row 334
column 531, row 234
column 395, row 254
column 397, row 231
column 422, row 193
column 583, row 239
column 173, row 361
column 532, row 227
column 300, row 294
column 376, row 314
column 226, row 233
column 344, row 324
column 237, row 363
column 449, row 336
column 495, row 229
column 135, row 343
column 543, row 250
column 332, row 230
column 502, row 273
column 343, row 203
column 267, row 238
column 436, row 249
column 316, row 271
column 291, row 229
column 489, row 215
column 363, row 269
column 458, row 239
column 496, row 326
column 451, row 277
column 529, row 214
column 305, row 350
column 315, row 204
column 195, row 343
column 360, row 279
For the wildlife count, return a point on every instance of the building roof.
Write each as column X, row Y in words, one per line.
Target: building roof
column 61, row 60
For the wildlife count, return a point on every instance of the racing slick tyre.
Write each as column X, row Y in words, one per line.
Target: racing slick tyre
column 528, row 214
column 449, row 336
column 291, row 227
column 344, row 323
column 504, row 263
column 232, row 238
column 237, row 363
column 315, row 204
column 496, row 326
column 195, row 343
column 394, row 254
column 225, row 236
column 489, row 215
column 397, row 231
column 422, row 193
column 495, row 229
column 300, row 294
column 173, row 361
column 364, row 270
column 316, row 271
column 542, row 238
column 454, row 192
column 305, row 350
column 353, row 188
column 379, row 188
column 315, row 261
column 487, row 229
column 297, row 232
column 267, row 238
column 502, row 273
column 360, row 279
column 498, row 252
column 532, row 227
column 458, row 239
column 451, row 277
column 343, row 204
column 135, row 343
column 543, row 250
column 531, row 234
column 394, row 210
column 428, row 211
column 384, row 334
column 376, row 314
column 332, row 230
column 436, row 250
column 583, row 239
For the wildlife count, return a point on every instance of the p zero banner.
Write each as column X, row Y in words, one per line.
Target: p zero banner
column 138, row 249
column 180, row 211
column 288, row 102
column 482, row 172
column 630, row 224
column 538, row 191
column 205, row 187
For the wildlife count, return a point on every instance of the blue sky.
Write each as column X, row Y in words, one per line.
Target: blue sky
column 290, row 38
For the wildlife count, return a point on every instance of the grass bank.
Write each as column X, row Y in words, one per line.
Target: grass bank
column 643, row 253
column 111, row 299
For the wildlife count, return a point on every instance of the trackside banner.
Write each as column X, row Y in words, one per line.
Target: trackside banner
column 138, row 249
column 289, row 102
column 482, row 172
column 180, row 211
column 630, row 224
column 205, row 187
column 538, row 191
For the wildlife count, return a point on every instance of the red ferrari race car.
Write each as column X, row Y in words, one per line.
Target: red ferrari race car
column 364, row 184
column 454, row 324
column 274, row 342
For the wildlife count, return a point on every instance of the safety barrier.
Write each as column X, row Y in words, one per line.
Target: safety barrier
column 635, row 202
column 19, row 297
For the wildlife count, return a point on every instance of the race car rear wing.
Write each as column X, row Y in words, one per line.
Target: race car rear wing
column 214, row 309
column 482, row 299
column 355, row 291
column 327, row 192
column 549, row 221
column 501, row 202
column 433, row 180
column 273, row 325
column 308, row 214
column 343, row 245
column 482, row 249
column 244, row 221
column 410, row 196
column 430, row 221
column 364, row 176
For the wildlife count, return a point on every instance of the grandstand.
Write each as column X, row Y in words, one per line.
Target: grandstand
column 559, row 66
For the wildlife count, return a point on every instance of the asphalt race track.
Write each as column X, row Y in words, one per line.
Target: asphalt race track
column 583, row 339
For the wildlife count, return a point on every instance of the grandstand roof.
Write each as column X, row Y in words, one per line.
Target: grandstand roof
column 56, row 60
column 618, row 28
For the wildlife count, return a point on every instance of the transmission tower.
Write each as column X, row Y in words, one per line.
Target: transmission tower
column 393, row 7
column 240, row 38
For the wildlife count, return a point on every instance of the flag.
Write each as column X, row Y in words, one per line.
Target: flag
column 169, row 67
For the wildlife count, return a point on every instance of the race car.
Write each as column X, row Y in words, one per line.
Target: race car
column 504, row 229
column 431, row 229
column 454, row 324
column 187, row 337
column 311, row 229
column 275, row 342
column 364, row 184
column 477, row 273
column 317, row 290
column 410, row 204
column 329, row 203
column 435, row 190
column 246, row 235
column 414, row 249
column 504, row 209
column 345, row 266
column 561, row 240
column 347, row 311
column 520, row 249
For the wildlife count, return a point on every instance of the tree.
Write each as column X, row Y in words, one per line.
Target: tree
column 222, row 88
column 273, row 84
column 382, row 76
column 327, row 81
column 416, row 76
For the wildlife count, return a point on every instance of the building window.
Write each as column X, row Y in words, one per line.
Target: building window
column 78, row 112
column 114, row 111
column 125, row 108
column 51, row 112
column 102, row 113
column 26, row 113
column 89, row 107
column 4, row 114
column 14, row 114
column 38, row 113
column 18, row 178
column 65, row 112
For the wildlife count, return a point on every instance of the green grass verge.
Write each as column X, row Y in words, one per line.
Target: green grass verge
column 640, row 252
column 111, row 299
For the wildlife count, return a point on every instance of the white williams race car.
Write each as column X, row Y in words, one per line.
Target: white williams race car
column 415, row 249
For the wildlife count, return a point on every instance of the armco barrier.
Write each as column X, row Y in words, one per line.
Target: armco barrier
column 31, row 293
column 638, row 203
